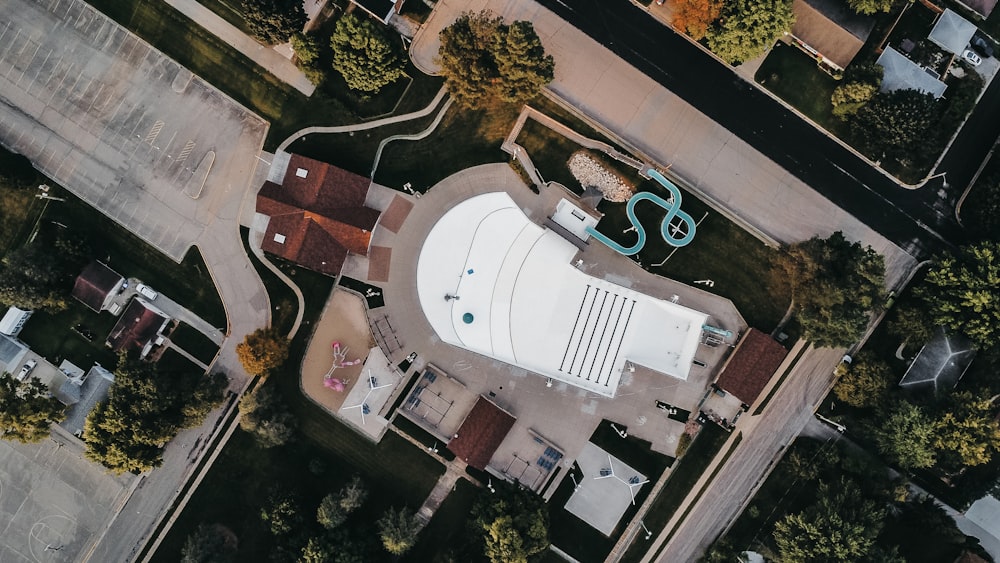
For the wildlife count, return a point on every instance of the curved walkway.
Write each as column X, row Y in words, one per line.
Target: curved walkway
column 368, row 125
column 412, row 136
column 254, row 239
column 269, row 59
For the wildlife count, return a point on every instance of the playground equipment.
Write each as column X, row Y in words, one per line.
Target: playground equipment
column 339, row 361
column 363, row 405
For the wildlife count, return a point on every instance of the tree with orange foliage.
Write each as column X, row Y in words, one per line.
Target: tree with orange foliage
column 694, row 16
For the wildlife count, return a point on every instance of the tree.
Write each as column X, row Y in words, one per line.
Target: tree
column 967, row 434
column 318, row 550
column 27, row 409
column 508, row 512
column 265, row 415
column 281, row 514
column 962, row 292
column 896, row 124
column 273, row 21
column 748, row 28
column 911, row 323
column 398, row 530
column 484, row 60
column 262, row 351
column 695, row 16
column 849, row 97
column 40, row 274
column 334, row 509
column 208, row 544
column 841, row 526
column 363, row 55
column 870, row 7
column 906, row 437
column 145, row 409
column 306, row 48
column 981, row 211
column 866, row 382
column 835, row 286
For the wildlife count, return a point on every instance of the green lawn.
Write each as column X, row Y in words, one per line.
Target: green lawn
column 794, row 77
column 414, row 431
column 684, row 475
column 173, row 362
column 227, row 69
column 19, row 208
column 194, row 343
column 229, row 10
column 239, row 481
column 52, row 336
column 188, row 283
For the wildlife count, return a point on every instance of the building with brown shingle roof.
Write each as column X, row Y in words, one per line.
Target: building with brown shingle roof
column 751, row 366
column 317, row 215
column 97, row 285
column 481, row 434
column 829, row 29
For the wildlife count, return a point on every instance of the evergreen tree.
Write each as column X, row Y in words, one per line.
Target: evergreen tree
column 962, row 292
column 274, row 21
column 363, row 55
column 27, row 409
column 398, row 530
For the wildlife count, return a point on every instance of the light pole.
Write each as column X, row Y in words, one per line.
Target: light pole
column 648, row 533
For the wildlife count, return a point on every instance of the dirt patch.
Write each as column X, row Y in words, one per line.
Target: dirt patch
column 344, row 321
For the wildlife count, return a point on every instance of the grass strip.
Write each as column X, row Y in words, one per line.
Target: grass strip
column 781, row 380
column 195, row 343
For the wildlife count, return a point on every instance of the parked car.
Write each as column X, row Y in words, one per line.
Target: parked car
column 146, row 291
column 982, row 46
column 971, row 58
column 26, row 369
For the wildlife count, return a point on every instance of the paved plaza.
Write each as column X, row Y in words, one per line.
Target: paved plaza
column 603, row 495
column 53, row 503
column 119, row 124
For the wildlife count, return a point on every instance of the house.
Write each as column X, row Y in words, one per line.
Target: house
column 91, row 389
column 12, row 352
column 751, row 366
column 830, row 31
column 66, row 387
column 13, row 321
column 138, row 328
column 941, row 362
column 952, row 32
column 97, row 285
column 900, row 73
column 483, row 431
column 316, row 215
column 382, row 10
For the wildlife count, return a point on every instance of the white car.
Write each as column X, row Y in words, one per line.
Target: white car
column 971, row 57
column 26, row 369
column 146, row 291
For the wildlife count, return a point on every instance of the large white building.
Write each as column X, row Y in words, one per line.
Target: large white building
column 493, row 282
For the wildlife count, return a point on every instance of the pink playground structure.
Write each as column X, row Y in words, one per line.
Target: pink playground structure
column 339, row 361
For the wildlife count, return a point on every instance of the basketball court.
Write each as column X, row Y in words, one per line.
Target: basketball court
column 439, row 403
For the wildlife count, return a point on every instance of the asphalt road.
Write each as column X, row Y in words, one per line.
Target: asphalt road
column 764, row 439
column 924, row 216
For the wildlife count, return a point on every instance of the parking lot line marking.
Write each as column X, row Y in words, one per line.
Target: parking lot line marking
column 5, row 28
column 42, row 66
column 58, row 88
column 154, row 132
column 96, row 96
column 186, row 151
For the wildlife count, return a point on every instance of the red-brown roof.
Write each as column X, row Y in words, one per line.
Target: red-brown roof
column 95, row 283
column 481, row 433
column 751, row 366
column 969, row 557
column 320, row 218
column 137, row 326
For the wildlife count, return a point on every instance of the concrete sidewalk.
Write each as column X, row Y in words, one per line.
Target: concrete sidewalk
column 269, row 59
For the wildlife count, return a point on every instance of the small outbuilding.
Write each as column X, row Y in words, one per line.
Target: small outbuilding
column 753, row 363
column 481, row 434
column 13, row 321
column 97, row 285
column 952, row 32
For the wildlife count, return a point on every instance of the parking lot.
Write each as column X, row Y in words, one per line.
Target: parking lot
column 119, row 124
